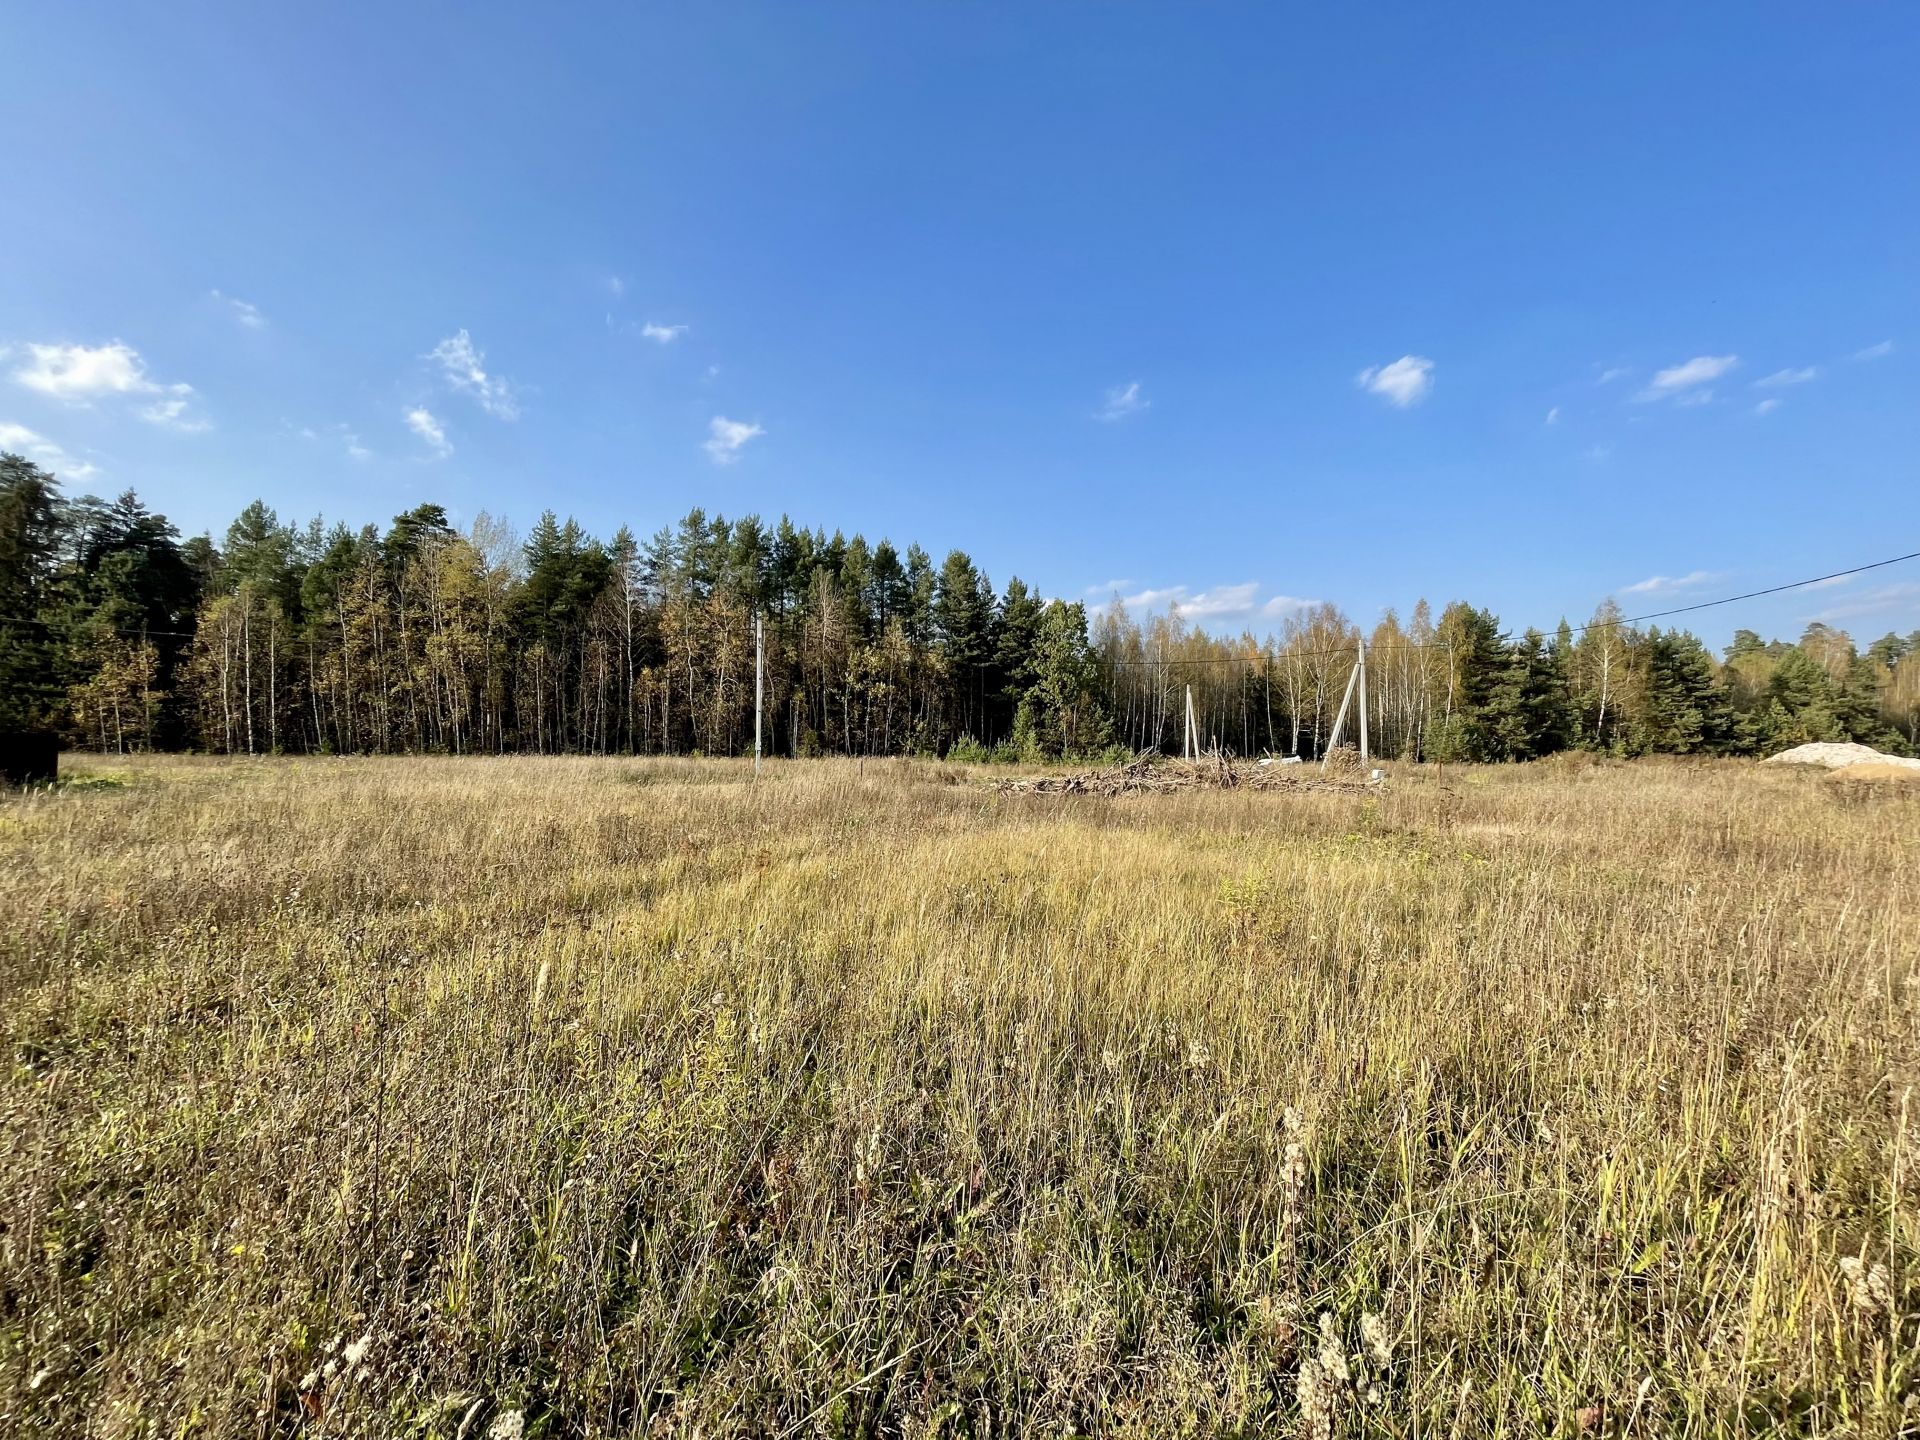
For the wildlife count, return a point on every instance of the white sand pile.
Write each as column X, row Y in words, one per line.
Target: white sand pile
column 1836, row 756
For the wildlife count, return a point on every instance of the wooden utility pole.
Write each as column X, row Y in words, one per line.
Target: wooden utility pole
column 1190, row 747
column 759, row 683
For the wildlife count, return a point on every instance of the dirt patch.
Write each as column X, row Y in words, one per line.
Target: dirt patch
column 1158, row 775
column 1835, row 755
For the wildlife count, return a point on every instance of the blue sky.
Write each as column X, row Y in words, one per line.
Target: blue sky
column 1521, row 304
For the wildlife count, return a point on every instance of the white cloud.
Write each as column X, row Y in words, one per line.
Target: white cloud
column 1553, row 416
column 19, row 440
column 80, row 372
column 1617, row 372
column 1661, row 584
column 1689, row 373
column 1112, row 587
column 727, row 438
column 1875, row 352
column 1405, row 382
column 1904, row 596
column 664, row 334
column 616, row 286
column 1122, row 401
column 713, row 373
column 420, row 420
column 1694, row 397
column 1281, row 605
column 170, row 413
column 247, row 315
column 463, row 363
column 1152, row 599
column 1780, row 379
column 349, row 441
column 1766, row 407
column 1599, row 454
column 1220, row 602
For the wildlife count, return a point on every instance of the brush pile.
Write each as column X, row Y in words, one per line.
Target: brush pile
column 1155, row 774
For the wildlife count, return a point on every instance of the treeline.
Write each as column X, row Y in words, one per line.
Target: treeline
column 309, row 638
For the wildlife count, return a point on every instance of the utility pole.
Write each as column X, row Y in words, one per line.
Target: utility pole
column 1340, row 720
column 759, row 684
column 1363, row 702
column 1189, row 747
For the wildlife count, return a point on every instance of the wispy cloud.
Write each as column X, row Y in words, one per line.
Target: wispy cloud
column 1122, row 401
column 1553, row 416
column 1407, row 381
column 727, row 438
column 1766, row 407
column 170, row 412
column 1666, row 584
column 1780, row 379
column 1218, row 602
column 349, row 441
column 464, row 365
column 1616, row 372
column 1111, row 587
column 1278, row 606
column 420, row 420
column 1677, row 379
column 1875, row 352
column 616, row 287
column 663, row 334
column 247, row 315
column 19, row 440
column 1904, row 596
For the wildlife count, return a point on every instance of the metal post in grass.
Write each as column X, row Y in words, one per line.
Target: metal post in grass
column 759, row 683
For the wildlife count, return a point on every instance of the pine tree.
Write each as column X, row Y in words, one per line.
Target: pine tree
column 963, row 606
column 30, row 541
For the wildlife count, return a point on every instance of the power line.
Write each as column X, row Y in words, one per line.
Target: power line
column 1755, row 594
column 143, row 632
column 1573, row 629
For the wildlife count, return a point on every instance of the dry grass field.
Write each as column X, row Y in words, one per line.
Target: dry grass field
column 601, row 1097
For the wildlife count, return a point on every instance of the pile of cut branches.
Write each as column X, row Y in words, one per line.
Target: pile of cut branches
column 1155, row 774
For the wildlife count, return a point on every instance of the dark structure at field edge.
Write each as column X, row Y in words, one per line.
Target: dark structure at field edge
column 29, row 757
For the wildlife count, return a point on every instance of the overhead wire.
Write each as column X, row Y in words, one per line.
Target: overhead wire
column 1572, row 629
column 143, row 632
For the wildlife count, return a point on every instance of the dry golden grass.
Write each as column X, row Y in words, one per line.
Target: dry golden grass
column 440, row 1097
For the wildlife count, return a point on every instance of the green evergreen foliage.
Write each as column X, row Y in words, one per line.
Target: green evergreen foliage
column 417, row 637
column 1685, row 710
column 30, row 536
